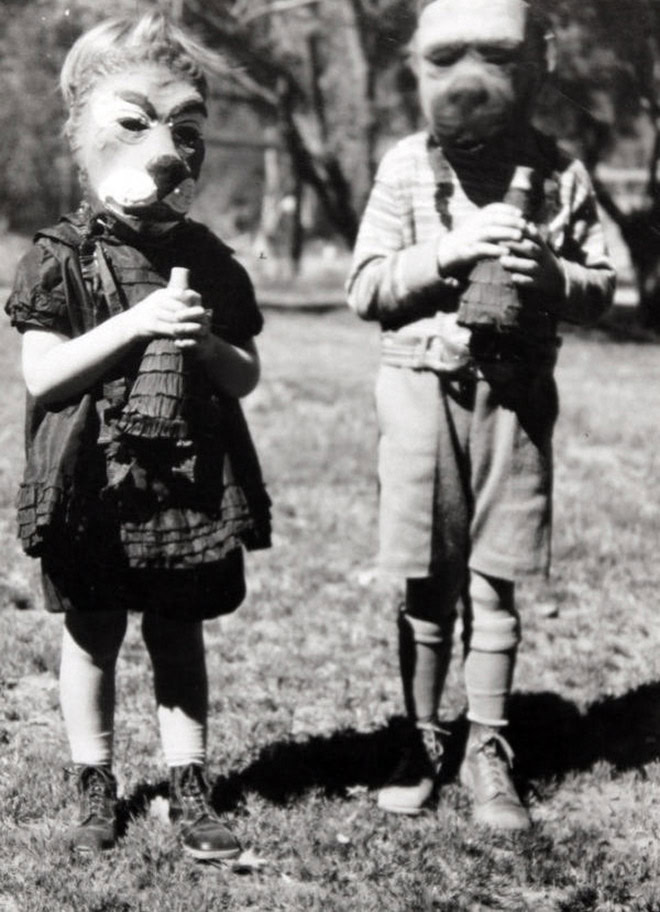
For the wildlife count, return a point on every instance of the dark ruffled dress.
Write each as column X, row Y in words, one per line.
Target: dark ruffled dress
column 141, row 493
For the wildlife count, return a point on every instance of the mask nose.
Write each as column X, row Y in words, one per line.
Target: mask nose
column 167, row 172
column 467, row 93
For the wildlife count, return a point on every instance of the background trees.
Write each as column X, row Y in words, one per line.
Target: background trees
column 606, row 101
column 312, row 91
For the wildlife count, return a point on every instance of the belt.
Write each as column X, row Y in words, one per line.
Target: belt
column 423, row 353
column 435, row 353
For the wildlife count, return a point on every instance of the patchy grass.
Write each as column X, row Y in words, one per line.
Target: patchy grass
column 304, row 689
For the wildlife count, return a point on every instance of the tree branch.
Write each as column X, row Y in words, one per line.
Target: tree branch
column 259, row 65
column 277, row 6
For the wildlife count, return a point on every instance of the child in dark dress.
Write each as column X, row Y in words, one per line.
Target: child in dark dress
column 141, row 484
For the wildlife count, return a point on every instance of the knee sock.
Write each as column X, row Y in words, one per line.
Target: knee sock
column 425, row 644
column 177, row 654
column 90, row 646
column 492, row 636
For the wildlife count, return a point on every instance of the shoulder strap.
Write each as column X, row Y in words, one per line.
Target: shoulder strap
column 65, row 241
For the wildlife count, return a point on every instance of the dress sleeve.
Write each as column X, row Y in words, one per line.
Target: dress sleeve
column 238, row 317
column 37, row 299
column 227, row 290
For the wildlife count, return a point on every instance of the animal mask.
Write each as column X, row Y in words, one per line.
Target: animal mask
column 480, row 64
column 139, row 144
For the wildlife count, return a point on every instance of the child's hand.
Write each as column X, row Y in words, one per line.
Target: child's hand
column 175, row 314
column 486, row 234
column 533, row 265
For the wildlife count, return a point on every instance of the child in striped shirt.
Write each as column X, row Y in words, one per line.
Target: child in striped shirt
column 480, row 235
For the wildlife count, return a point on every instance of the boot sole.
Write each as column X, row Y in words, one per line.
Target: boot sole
column 211, row 855
column 88, row 850
column 400, row 809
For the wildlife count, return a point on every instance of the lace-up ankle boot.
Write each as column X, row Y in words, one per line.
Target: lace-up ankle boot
column 414, row 780
column 487, row 773
column 203, row 836
column 97, row 828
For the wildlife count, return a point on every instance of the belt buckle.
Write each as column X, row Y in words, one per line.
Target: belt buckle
column 439, row 357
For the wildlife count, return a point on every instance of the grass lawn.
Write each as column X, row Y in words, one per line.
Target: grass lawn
column 304, row 687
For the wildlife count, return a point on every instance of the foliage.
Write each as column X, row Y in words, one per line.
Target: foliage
column 329, row 85
column 304, row 680
column 605, row 100
column 316, row 69
column 31, row 144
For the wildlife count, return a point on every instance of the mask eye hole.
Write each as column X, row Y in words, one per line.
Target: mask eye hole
column 186, row 135
column 500, row 56
column 133, row 124
column 444, row 55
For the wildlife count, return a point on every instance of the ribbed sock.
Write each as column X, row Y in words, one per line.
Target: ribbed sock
column 181, row 688
column 90, row 645
column 493, row 633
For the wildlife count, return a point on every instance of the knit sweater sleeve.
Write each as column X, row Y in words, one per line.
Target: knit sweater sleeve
column 577, row 237
column 394, row 277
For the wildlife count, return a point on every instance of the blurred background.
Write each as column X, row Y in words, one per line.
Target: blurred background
column 309, row 95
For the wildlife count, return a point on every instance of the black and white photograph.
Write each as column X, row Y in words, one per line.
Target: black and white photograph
column 330, row 455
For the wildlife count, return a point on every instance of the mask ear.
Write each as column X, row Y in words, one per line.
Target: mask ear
column 412, row 55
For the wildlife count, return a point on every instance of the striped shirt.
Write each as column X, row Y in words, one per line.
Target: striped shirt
column 417, row 197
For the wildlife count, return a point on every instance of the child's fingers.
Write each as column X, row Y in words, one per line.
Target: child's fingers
column 523, row 281
column 488, row 251
column 186, row 343
column 521, row 265
column 506, row 217
column 185, row 296
column 188, row 329
column 191, row 314
column 492, row 233
column 503, row 210
column 191, row 298
column 532, row 232
column 527, row 249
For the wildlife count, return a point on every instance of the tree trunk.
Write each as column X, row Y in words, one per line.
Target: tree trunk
column 641, row 234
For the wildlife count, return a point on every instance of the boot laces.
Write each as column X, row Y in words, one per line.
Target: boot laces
column 433, row 738
column 496, row 766
column 193, row 791
column 97, row 784
column 422, row 754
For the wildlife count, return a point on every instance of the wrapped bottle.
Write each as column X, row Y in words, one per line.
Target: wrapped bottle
column 158, row 400
column 491, row 301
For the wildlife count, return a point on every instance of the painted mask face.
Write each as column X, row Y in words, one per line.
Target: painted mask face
column 140, row 144
column 478, row 69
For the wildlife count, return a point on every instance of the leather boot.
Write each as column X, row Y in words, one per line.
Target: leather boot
column 97, row 828
column 203, row 836
column 413, row 782
column 487, row 772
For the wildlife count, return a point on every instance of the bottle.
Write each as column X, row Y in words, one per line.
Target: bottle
column 157, row 406
column 491, row 301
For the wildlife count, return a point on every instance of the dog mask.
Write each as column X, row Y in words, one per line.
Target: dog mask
column 139, row 143
column 480, row 63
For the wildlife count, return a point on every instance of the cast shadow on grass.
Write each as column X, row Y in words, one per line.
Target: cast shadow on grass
column 137, row 803
column 334, row 763
column 550, row 736
column 287, row 769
